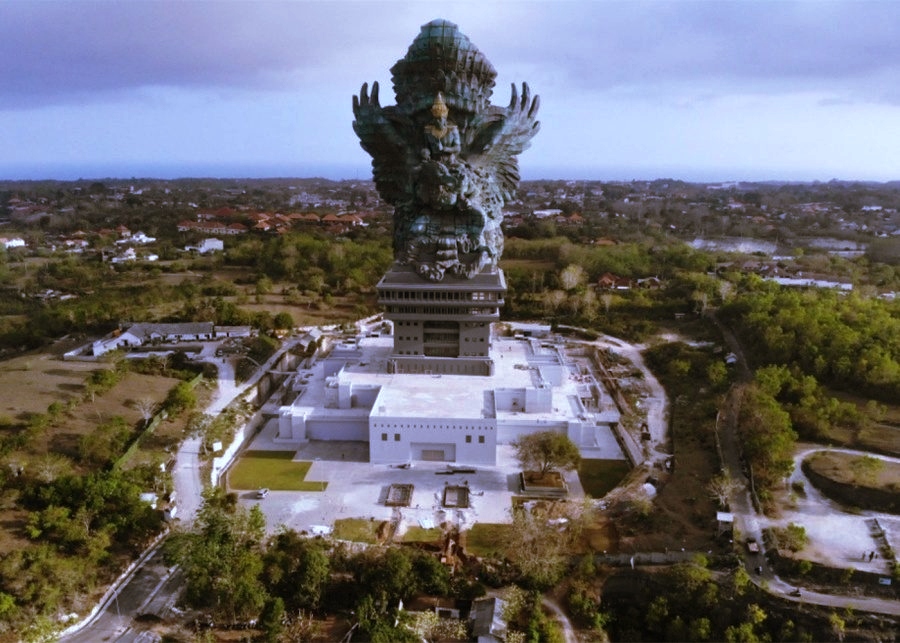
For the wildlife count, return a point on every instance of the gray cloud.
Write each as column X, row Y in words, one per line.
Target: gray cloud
column 58, row 52
column 53, row 51
column 756, row 46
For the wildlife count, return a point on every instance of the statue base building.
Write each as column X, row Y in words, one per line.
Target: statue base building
column 352, row 394
column 442, row 327
column 438, row 389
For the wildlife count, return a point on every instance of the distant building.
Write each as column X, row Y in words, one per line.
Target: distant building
column 16, row 242
column 208, row 245
column 609, row 281
column 142, row 334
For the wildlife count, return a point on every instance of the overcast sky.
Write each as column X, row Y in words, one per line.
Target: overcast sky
column 709, row 90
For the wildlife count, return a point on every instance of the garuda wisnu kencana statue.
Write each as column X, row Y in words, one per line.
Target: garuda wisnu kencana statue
column 443, row 156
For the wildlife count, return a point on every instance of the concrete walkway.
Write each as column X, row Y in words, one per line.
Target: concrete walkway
column 357, row 488
column 186, row 475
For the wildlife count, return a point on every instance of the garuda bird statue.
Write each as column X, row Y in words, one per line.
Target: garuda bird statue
column 443, row 156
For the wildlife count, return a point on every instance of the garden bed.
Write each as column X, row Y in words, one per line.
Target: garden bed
column 547, row 485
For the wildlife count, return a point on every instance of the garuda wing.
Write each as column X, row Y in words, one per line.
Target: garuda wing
column 387, row 135
column 496, row 138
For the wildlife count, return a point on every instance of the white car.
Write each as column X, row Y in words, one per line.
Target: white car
column 262, row 493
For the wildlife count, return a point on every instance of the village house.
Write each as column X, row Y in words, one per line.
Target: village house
column 142, row 334
column 15, row 242
column 207, row 246
column 609, row 281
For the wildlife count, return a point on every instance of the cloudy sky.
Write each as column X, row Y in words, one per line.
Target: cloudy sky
column 713, row 90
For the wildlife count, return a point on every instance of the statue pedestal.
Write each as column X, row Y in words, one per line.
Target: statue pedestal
column 442, row 327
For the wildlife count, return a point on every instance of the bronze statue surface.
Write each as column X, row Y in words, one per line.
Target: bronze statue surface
column 443, row 156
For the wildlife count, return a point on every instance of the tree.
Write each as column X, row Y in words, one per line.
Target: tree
column 389, row 578
column 147, row 408
column 768, row 436
column 283, row 321
column 721, row 487
column 866, row 469
column 553, row 299
column 572, row 277
column 792, row 537
column 271, row 620
column 838, row 626
column 296, row 569
column 105, row 443
column 546, row 450
column 180, row 398
column 538, row 550
column 222, row 559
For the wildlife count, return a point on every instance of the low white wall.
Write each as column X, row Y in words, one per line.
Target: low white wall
column 244, row 433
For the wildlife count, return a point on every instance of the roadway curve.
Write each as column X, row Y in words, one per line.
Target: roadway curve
column 749, row 523
column 150, row 580
column 149, row 586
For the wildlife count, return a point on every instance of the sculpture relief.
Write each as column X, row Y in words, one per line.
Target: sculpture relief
column 444, row 157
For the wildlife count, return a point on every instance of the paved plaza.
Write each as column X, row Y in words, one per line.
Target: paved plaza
column 358, row 488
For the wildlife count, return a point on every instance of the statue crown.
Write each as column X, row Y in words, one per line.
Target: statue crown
column 440, row 107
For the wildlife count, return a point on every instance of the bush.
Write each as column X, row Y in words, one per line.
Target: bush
column 583, row 601
column 181, row 398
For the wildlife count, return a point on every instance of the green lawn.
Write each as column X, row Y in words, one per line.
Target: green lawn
column 357, row 530
column 486, row 539
column 416, row 534
column 599, row 477
column 275, row 470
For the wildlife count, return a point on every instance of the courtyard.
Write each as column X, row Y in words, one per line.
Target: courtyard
column 357, row 488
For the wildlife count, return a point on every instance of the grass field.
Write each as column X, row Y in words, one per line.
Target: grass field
column 599, row 477
column 30, row 383
column 356, row 530
column 275, row 470
column 486, row 539
column 856, row 470
column 416, row 534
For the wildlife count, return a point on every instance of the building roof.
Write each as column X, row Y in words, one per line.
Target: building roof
column 189, row 328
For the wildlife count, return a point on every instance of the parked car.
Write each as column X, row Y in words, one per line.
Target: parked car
column 262, row 493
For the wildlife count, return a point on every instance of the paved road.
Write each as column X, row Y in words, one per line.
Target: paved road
column 748, row 521
column 564, row 622
column 152, row 587
column 139, row 589
column 186, row 476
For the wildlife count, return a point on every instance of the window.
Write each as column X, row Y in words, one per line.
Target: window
column 480, row 439
column 384, row 437
column 468, row 439
column 396, row 437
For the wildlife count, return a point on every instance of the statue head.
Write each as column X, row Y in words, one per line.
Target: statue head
column 439, row 109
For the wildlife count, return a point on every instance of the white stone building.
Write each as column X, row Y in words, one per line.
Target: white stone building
column 405, row 417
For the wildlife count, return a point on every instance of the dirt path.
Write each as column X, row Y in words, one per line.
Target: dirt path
column 655, row 405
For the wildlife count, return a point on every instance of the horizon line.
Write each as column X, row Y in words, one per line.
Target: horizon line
column 347, row 172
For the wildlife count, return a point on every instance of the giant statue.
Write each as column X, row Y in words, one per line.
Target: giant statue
column 443, row 156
